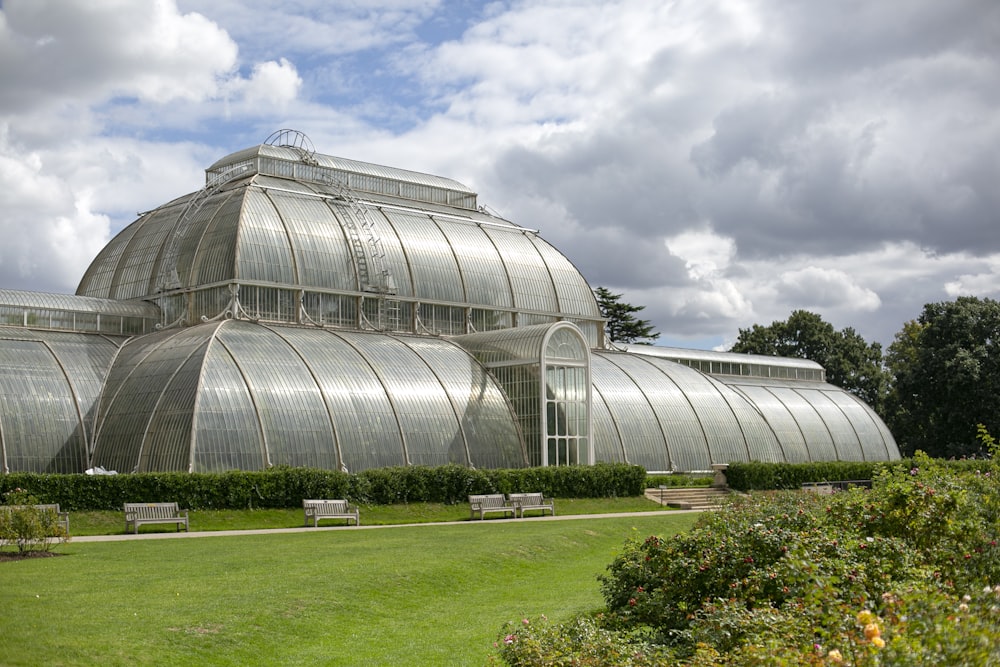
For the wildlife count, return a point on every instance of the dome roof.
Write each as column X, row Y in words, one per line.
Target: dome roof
column 272, row 215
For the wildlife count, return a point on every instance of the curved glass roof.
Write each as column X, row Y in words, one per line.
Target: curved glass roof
column 664, row 415
column 68, row 302
column 233, row 394
column 49, row 382
column 288, row 230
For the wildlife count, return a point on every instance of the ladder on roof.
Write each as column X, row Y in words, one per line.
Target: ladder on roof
column 167, row 277
column 366, row 246
column 368, row 255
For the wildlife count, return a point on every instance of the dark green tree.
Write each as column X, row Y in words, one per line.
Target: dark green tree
column 622, row 325
column 946, row 378
column 850, row 362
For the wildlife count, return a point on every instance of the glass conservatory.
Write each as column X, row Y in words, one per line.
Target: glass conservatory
column 308, row 310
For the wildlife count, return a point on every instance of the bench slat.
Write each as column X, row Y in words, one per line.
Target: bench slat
column 319, row 509
column 532, row 501
column 137, row 514
column 490, row 502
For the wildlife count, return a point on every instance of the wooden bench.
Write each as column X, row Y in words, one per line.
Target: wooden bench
column 523, row 502
column 490, row 502
column 317, row 510
column 137, row 514
column 62, row 518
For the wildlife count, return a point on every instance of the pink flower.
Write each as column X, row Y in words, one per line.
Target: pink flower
column 510, row 639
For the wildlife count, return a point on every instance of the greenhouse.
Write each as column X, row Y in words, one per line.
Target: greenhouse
column 308, row 310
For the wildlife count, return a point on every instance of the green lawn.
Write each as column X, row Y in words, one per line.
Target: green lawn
column 409, row 595
column 113, row 522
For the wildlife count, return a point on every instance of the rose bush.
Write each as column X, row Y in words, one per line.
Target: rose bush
column 905, row 573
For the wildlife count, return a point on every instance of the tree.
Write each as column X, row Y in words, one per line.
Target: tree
column 622, row 325
column 946, row 370
column 850, row 362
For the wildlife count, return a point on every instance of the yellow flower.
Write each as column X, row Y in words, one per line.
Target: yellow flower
column 835, row 656
column 872, row 631
column 865, row 617
column 878, row 642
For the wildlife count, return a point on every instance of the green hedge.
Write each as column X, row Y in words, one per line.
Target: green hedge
column 756, row 476
column 284, row 487
column 679, row 480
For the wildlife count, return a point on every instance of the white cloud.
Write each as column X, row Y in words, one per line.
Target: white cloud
column 89, row 51
column 706, row 254
column 818, row 288
column 272, row 83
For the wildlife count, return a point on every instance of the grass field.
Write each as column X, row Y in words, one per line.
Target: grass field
column 113, row 522
column 409, row 595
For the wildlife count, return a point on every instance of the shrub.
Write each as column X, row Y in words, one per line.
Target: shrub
column 903, row 573
column 582, row 641
column 28, row 527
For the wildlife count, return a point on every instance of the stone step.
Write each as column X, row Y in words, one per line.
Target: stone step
column 689, row 498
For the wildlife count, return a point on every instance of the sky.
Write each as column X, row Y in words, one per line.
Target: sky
column 722, row 163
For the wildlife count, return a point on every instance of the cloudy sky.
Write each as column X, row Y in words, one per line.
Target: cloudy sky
column 721, row 162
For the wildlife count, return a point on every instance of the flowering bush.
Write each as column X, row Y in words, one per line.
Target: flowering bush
column 906, row 573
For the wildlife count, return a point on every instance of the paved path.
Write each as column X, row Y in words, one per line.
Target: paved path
column 310, row 529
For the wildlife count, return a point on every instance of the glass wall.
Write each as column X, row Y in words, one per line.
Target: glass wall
column 49, row 383
column 233, row 394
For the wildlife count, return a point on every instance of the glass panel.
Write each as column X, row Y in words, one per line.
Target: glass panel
column 211, row 303
column 529, row 277
column 216, row 259
column 632, row 417
column 269, row 304
column 331, row 309
column 426, row 416
column 488, row 426
column 393, row 260
column 442, row 320
column 97, row 280
column 387, row 314
column 169, row 439
column 521, row 383
column 482, row 267
column 229, row 435
column 430, row 258
column 319, row 242
column 42, row 429
column 607, row 441
column 138, row 386
column 296, row 425
column 365, row 424
column 845, row 437
column 781, row 421
column 136, row 270
column 814, row 431
column 490, row 320
column 721, row 430
column 264, row 251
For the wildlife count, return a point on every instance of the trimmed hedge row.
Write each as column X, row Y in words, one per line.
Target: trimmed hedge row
column 755, row 476
column 284, row 487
